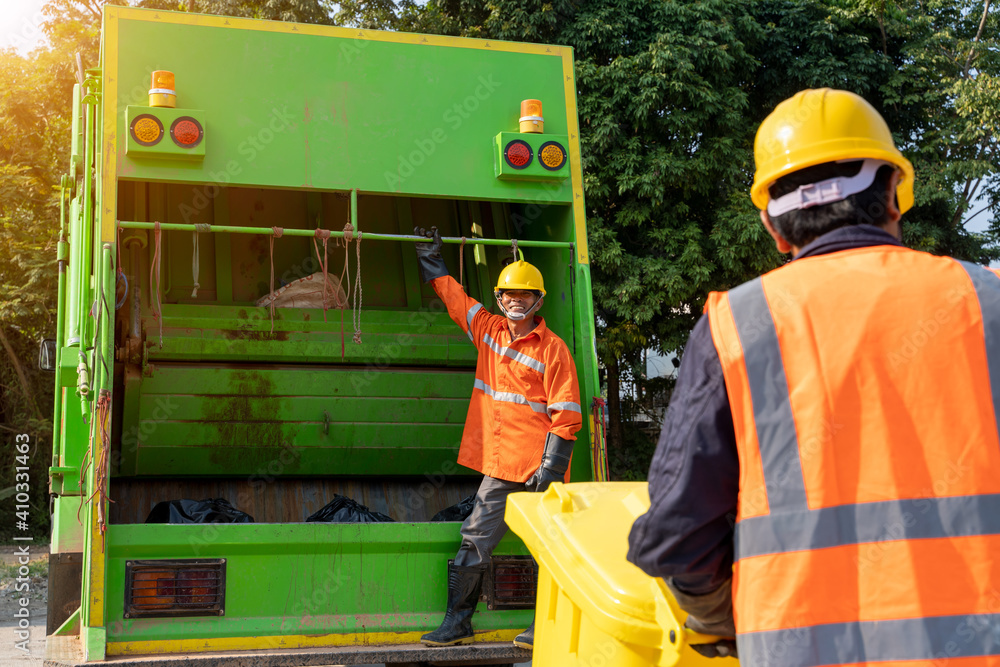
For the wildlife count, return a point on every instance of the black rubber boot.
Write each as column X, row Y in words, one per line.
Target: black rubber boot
column 527, row 638
column 464, row 584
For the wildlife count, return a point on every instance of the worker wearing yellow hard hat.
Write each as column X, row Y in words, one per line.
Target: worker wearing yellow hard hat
column 826, row 490
column 522, row 420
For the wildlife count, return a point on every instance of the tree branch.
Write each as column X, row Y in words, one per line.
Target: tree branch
column 969, row 219
column 20, row 374
column 881, row 27
column 979, row 33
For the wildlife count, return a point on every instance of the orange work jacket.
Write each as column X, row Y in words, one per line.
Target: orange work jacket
column 523, row 390
column 865, row 387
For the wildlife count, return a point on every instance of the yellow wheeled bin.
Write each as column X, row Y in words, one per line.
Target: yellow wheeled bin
column 594, row 608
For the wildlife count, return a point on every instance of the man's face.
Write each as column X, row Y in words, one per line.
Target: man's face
column 518, row 300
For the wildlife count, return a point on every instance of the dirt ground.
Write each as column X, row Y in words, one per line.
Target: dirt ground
column 37, row 594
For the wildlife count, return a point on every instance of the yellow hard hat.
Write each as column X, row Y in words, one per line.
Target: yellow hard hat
column 824, row 125
column 520, row 275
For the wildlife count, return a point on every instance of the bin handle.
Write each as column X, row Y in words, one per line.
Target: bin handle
column 557, row 492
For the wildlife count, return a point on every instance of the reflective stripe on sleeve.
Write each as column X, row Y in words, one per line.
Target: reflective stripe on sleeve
column 987, row 286
column 916, row 518
column 772, row 410
column 519, row 357
column 508, row 397
column 928, row 638
column 565, row 405
column 469, row 315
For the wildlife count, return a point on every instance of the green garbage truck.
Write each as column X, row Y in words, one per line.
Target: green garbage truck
column 242, row 322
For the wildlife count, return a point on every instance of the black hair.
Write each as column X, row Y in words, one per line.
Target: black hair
column 870, row 206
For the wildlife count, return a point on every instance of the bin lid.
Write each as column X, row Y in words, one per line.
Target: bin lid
column 579, row 533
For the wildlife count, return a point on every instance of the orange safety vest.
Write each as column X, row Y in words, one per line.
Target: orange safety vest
column 523, row 390
column 865, row 389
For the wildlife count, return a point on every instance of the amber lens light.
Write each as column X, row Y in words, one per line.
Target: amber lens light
column 186, row 132
column 162, row 79
column 146, row 129
column 552, row 155
column 531, row 108
column 517, row 154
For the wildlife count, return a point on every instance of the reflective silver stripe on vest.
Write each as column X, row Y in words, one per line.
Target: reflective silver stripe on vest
column 565, row 405
column 509, row 397
column 888, row 520
column 772, row 411
column 519, row 357
column 469, row 315
column 987, row 286
column 928, row 638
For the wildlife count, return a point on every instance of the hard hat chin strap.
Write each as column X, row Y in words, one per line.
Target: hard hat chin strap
column 517, row 317
column 828, row 191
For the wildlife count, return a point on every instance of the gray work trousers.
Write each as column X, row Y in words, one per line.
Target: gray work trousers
column 484, row 528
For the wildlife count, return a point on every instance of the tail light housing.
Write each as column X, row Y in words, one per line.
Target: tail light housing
column 511, row 582
column 168, row 588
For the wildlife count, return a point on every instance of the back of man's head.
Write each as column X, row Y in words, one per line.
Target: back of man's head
column 825, row 159
column 870, row 206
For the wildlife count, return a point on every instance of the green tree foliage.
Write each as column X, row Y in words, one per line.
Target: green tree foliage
column 34, row 141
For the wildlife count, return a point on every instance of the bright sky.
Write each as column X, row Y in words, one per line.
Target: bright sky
column 19, row 24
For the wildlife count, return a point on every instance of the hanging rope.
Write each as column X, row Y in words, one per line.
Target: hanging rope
column 154, row 269
column 357, row 293
column 276, row 233
column 324, row 262
column 345, row 275
column 196, row 256
column 100, row 490
column 119, row 274
column 461, row 264
column 101, row 471
column 513, row 248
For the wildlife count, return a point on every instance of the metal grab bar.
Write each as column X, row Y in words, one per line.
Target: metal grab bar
column 367, row 236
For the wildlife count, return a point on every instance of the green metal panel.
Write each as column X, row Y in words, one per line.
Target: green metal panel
column 377, row 116
column 225, row 421
column 305, row 579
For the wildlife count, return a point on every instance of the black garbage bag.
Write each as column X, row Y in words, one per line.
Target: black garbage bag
column 460, row 511
column 345, row 510
column 210, row 510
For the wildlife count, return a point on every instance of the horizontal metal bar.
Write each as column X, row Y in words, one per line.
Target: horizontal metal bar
column 367, row 236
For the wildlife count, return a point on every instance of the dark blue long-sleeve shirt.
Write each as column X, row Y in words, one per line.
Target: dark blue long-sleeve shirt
column 687, row 534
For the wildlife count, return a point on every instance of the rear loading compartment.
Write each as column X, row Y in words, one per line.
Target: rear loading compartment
column 278, row 422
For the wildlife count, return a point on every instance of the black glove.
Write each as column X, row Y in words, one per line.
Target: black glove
column 555, row 462
column 429, row 254
column 724, row 648
column 710, row 614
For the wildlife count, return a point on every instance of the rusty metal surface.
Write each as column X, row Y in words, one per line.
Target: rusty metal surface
column 483, row 653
